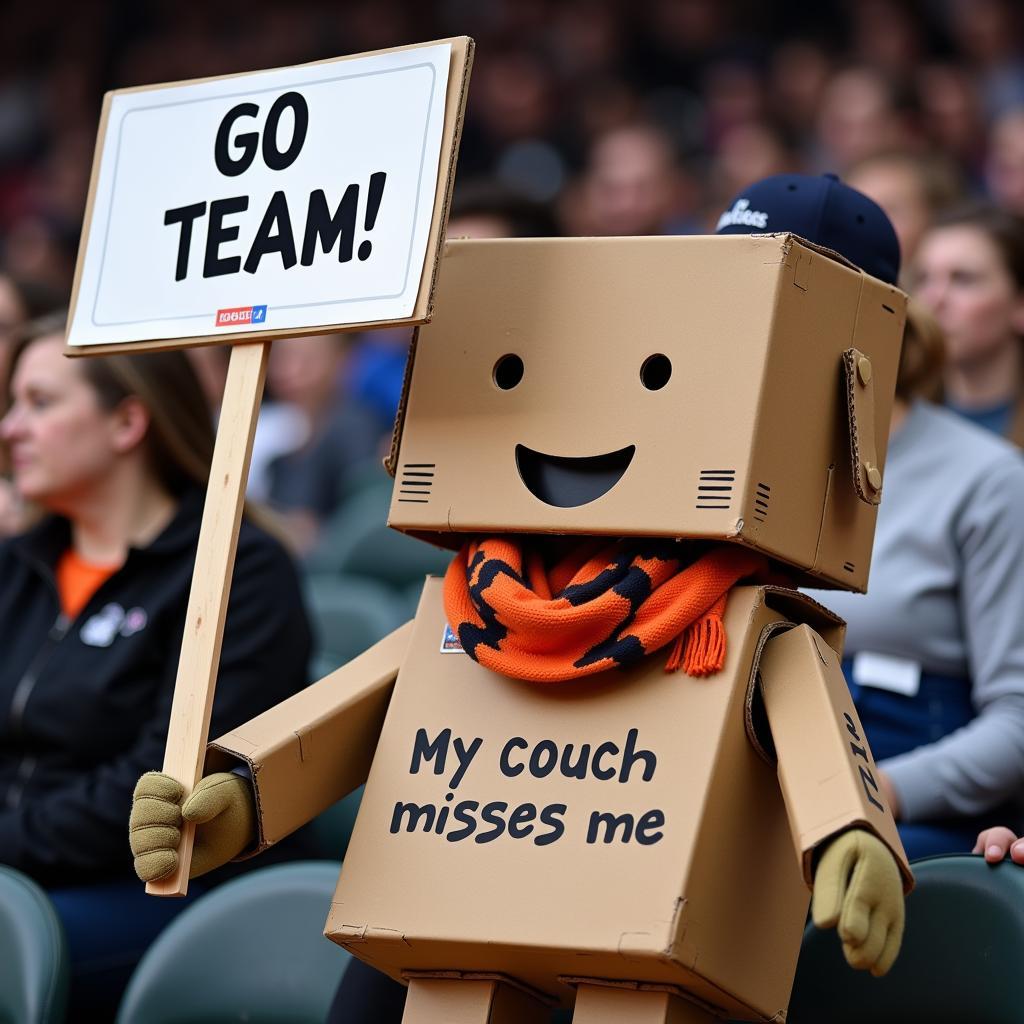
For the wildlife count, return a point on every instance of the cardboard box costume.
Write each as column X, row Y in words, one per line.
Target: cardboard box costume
column 600, row 832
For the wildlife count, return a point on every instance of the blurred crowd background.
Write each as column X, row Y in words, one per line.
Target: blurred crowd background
column 585, row 117
column 593, row 117
column 619, row 117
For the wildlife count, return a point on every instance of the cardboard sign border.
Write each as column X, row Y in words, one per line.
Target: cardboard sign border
column 451, row 135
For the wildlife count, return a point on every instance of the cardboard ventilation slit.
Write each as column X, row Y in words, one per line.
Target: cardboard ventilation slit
column 714, row 489
column 762, row 496
column 416, row 483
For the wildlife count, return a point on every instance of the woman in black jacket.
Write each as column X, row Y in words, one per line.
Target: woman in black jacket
column 115, row 451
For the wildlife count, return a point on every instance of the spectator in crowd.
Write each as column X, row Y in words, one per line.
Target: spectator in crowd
column 754, row 149
column 988, row 34
column 951, row 117
column 338, row 434
column 115, row 454
column 970, row 273
column 912, row 188
column 483, row 208
column 280, row 428
column 632, row 185
column 1004, row 172
column 860, row 115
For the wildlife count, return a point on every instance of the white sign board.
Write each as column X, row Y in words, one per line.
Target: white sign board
column 280, row 200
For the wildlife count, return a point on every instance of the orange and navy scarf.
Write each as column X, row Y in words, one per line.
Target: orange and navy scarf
column 604, row 605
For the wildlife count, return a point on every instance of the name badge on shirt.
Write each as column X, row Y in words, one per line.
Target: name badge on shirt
column 899, row 675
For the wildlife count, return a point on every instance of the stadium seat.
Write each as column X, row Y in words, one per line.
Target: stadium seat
column 358, row 541
column 349, row 614
column 33, row 953
column 251, row 950
column 332, row 829
column 962, row 958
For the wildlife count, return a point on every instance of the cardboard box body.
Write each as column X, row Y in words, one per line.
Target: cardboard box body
column 697, row 883
column 748, row 441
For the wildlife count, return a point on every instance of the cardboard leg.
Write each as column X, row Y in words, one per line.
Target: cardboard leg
column 600, row 1004
column 470, row 1001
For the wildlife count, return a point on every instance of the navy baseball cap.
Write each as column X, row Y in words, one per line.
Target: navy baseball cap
column 824, row 211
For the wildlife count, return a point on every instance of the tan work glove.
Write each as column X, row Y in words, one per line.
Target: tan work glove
column 221, row 806
column 857, row 885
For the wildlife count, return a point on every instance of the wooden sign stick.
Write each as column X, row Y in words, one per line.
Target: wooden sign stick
column 211, row 584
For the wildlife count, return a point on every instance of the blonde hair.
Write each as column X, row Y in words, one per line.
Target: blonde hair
column 922, row 356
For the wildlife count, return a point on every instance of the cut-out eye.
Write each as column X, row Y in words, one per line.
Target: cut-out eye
column 655, row 372
column 508, row 371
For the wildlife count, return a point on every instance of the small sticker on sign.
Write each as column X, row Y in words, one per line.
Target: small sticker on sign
column 241, row 315
column 450, row 641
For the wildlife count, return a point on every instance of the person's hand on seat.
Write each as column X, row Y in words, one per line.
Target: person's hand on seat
column 999, row 842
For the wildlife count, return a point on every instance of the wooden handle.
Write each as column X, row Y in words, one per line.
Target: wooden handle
column 196, row 681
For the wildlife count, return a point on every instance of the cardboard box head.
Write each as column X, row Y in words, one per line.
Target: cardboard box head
column 731, row 388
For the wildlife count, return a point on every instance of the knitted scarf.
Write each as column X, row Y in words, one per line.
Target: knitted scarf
column 601, row 606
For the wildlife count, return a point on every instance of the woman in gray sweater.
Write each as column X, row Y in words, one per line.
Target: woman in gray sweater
column 935, row 649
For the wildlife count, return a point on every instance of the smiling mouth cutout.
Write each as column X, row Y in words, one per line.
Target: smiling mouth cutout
column 567, row 482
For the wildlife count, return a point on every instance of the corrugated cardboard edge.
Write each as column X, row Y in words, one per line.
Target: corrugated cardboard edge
column 463, row 48
column 391, row 462
column 786, row 601
column 788, row 239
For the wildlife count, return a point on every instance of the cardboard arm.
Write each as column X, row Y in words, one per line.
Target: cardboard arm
column 314, row 748
column 828, row 776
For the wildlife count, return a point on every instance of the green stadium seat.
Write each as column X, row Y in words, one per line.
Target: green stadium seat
column 349, row 614
column 962, row 960
column 34, row 969
column 251, row 950
column 332, row 829
column 357, row 540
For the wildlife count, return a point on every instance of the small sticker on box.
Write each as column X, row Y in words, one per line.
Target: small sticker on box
column 450, row 641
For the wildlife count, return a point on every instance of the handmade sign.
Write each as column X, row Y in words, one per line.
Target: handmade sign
column 275, row 202
column 248, row 207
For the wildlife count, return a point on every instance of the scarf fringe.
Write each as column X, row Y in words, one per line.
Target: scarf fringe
column 700, row 649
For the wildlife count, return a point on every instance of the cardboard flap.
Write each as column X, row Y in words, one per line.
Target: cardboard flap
column 860, row 402
column 797, row 608
column 755, row 717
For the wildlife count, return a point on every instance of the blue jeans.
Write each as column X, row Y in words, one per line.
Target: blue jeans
column 109, row 925
column 895, row 724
